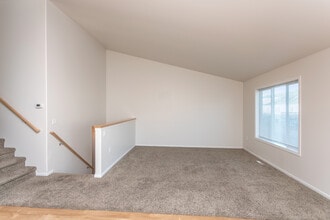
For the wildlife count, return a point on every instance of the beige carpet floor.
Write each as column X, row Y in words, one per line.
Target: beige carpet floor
column 208, row 182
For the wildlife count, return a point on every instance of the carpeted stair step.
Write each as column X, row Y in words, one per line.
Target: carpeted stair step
column 7, row 179
column 6, row 153
column 12, row 169
column 11, row 163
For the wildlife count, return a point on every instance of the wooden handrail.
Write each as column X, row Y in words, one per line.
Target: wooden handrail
column 28, row 123
column 71, row 149
column 113, row 123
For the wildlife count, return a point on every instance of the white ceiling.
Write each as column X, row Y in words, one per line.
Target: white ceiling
column 236, row 39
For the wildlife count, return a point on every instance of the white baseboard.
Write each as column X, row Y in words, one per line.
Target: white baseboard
column 185, row 146
column 327, row 196
column 44, row 173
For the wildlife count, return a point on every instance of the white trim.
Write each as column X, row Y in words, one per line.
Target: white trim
column 300, row 115
column 256, row 111
column 185, row 146
column 46, row 96
column 98, row 153
column 278, row 146
column 315, row 189
column 279, row 82
column 44, row 173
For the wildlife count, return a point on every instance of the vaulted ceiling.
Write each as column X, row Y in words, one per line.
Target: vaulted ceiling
column 236, row 39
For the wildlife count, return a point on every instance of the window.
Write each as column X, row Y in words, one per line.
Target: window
column 277, row 111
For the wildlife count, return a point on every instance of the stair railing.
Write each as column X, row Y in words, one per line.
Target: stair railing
column 71, row 149
column 28, row 123
column 94, row 127
column 107, row 152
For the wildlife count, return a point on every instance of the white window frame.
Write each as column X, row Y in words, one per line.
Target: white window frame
column 273, row 143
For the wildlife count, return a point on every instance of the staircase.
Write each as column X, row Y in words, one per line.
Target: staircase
column 12, row 169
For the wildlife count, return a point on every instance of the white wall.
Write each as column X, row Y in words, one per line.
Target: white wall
column 111, row 144
column 76, row 89
column 23, row 77
column 174, row 106
column 312, row 167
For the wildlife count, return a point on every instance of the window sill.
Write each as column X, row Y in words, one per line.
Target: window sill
column 279, row 146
